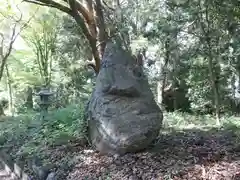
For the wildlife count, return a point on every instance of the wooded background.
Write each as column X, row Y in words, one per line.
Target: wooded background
column 190, row 50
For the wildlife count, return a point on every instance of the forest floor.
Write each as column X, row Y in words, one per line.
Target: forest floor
column 190, row 154
column 188, row 147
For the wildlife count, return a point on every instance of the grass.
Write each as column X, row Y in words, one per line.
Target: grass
column 179, row 120
column 26, row 134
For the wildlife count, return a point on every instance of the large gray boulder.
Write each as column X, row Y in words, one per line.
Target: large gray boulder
column 122, row 113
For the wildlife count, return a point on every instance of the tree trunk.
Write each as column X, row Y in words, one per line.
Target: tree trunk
column 238, row 74
column 2, row 68
column 1, row 111
column 93, row 26
column 213, row 77
column 233, row 87
column 159, row 94
column 214, row 83
column 10, row 93
column 29, row 98
column 205, row 25
column 162, row 82
column 174, row 82
column 102, row 34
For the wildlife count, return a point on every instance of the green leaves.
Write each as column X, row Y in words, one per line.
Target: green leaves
column 27, row 136
column 42, row 37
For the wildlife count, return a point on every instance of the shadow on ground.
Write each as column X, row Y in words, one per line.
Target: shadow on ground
column 189, row 154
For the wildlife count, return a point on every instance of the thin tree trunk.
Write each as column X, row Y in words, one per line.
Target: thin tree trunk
column 233, row 87
column 213, row 78
column 29, row 98
column 3, row 62
column 159, row 94
column 162, row 83
column 175, row 103
column 10, row 92
column 205, row 28
column 238, row 71
column 1, row 111
column 174, row 83
column 215, row 88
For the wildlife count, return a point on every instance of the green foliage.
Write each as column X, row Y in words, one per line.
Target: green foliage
column 25, row 135
column 169, row 30
column 14, row 130
column 199, row 87
column 69, row 120
column 43, row 38
column 176, row 121
column 180, row 120
column 179, row 36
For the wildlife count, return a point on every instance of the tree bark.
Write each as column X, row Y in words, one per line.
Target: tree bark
column 205, row 28
column 162, row 83
column 238, row 74
column 175, row 61
column 10, row 93
column 233, row 87
column 102, row 34
column 1, row 111
column 215, row 88
column 4, row 57
column 29, row 98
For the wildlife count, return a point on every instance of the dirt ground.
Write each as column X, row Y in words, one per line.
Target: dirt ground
column 188, row 155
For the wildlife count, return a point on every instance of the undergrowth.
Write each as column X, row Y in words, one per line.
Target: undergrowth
column 25, row 136
column 179, row 120
column 26, row 133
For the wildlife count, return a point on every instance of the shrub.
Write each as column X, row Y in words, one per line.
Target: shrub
column 26, row 135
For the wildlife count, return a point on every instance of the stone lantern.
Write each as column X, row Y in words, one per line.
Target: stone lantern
column 45, row 102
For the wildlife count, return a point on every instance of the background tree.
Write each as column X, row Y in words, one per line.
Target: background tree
column 189, row 51
column 170, row 36
column 43, row 38
column 12, row 25
column 89, row 16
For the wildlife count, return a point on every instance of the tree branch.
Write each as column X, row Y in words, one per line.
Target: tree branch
column 85, row 13
column 1, row 45
column 105, row 4
column 92, row 40
column 82, row 16
column 102, row 35
column 13, row 38
column 51, row 3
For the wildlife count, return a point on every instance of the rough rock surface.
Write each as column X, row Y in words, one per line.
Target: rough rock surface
column 123, row 116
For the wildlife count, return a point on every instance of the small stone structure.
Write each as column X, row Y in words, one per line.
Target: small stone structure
column 44, row 101
column 122, row 113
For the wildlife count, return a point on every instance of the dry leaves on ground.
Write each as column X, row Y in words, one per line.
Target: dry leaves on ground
column 212, row 155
